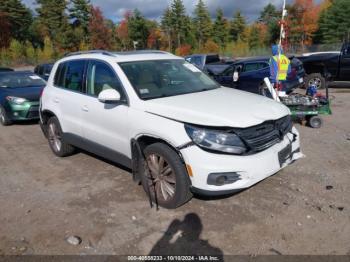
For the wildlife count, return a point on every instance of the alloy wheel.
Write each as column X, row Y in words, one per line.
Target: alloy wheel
column 161, row 178
column 55, row 137
column 316, row 81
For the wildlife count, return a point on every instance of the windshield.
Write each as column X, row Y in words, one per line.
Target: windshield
column 20, row 80
column 164, row 78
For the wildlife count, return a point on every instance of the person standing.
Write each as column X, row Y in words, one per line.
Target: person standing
column 280, row 67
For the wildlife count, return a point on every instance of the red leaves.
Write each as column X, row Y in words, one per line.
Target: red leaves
column 100, row 35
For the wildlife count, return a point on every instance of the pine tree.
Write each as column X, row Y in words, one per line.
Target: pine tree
column 166, row 25
column 80, row 13
column 52, row 18
column 220, row 31
column 5, row 30
column 237, row 27
column 179, row 21
column 270, row 17
column 202, row 23
column 138, row 30
column 335, row 22
column 19, row 17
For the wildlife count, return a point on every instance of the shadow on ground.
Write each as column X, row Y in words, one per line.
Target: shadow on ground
column 183, row 238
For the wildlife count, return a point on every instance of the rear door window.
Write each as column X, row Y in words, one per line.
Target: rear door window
column 70, row 75
column 249, row 67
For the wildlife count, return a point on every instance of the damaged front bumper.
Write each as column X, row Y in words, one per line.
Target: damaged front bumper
column 240, row 172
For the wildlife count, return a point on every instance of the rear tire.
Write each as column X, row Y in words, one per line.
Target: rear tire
column 164, row 177
column 316, row 79
column 4, row 120
column 56, row 142
column 315, row 122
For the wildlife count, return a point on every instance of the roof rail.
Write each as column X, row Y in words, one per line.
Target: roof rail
column 135, row 52
column 102, row 52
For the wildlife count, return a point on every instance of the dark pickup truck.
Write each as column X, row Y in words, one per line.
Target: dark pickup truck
column 210, row 63
column 334, row 66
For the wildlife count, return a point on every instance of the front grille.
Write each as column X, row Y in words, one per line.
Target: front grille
column 33, row 112
column 265, row 135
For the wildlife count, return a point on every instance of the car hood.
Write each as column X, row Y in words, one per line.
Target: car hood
column 222, row 107
column 30, row 93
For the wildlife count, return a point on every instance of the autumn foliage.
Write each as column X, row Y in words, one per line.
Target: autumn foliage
column 303, row 21
column 99, row 33
column 183, row 50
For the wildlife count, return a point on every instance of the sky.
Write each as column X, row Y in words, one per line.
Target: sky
column 153, row 9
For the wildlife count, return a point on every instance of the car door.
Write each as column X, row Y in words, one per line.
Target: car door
column 226, row 77
column 252, row 76
column 69, row 83
column 106, row 125
column 344, row 65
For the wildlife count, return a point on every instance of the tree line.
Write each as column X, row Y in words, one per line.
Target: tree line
column 57, row 27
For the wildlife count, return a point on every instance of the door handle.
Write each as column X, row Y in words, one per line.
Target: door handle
column 85, row 109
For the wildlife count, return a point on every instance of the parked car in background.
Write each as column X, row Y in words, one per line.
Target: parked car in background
column 43, row 70
column 209, row 63
column 19, row 96
column 6, row 69
column 252, row 71
column 333, row 66
column 175, row 127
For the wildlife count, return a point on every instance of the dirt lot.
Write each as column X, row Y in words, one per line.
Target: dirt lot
column 304, row 209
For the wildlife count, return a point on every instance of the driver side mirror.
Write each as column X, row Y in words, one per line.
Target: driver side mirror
column 109, row 96
column 235, row 76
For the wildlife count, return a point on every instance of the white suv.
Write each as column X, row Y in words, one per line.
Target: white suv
column 177, row 129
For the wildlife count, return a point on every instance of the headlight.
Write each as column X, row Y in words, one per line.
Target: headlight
column 215, row 140
column 16, row 100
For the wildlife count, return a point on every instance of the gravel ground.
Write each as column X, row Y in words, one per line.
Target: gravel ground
column 304, row 209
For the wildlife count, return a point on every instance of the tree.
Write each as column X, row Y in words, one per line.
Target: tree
column 270, row 17
column 18, row 16
column 138, row 30
column 47, row 53
column 202, row 23
column 166, row 25
column 16, row 52
column 123, row 32
column 80, row 12
column 179, row 21
column 100, row 35
column 30, row 53
column 237, row 27
column 5, row 30
column 220, row 30
column 303, row 21
column 210, row 47
column 335, row 22
column 254, row 40
column 52, row 18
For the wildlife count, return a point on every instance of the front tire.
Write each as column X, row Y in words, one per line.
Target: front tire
column 164, row 177
column 56, row 142
column 315, row 79
column 4, row 120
